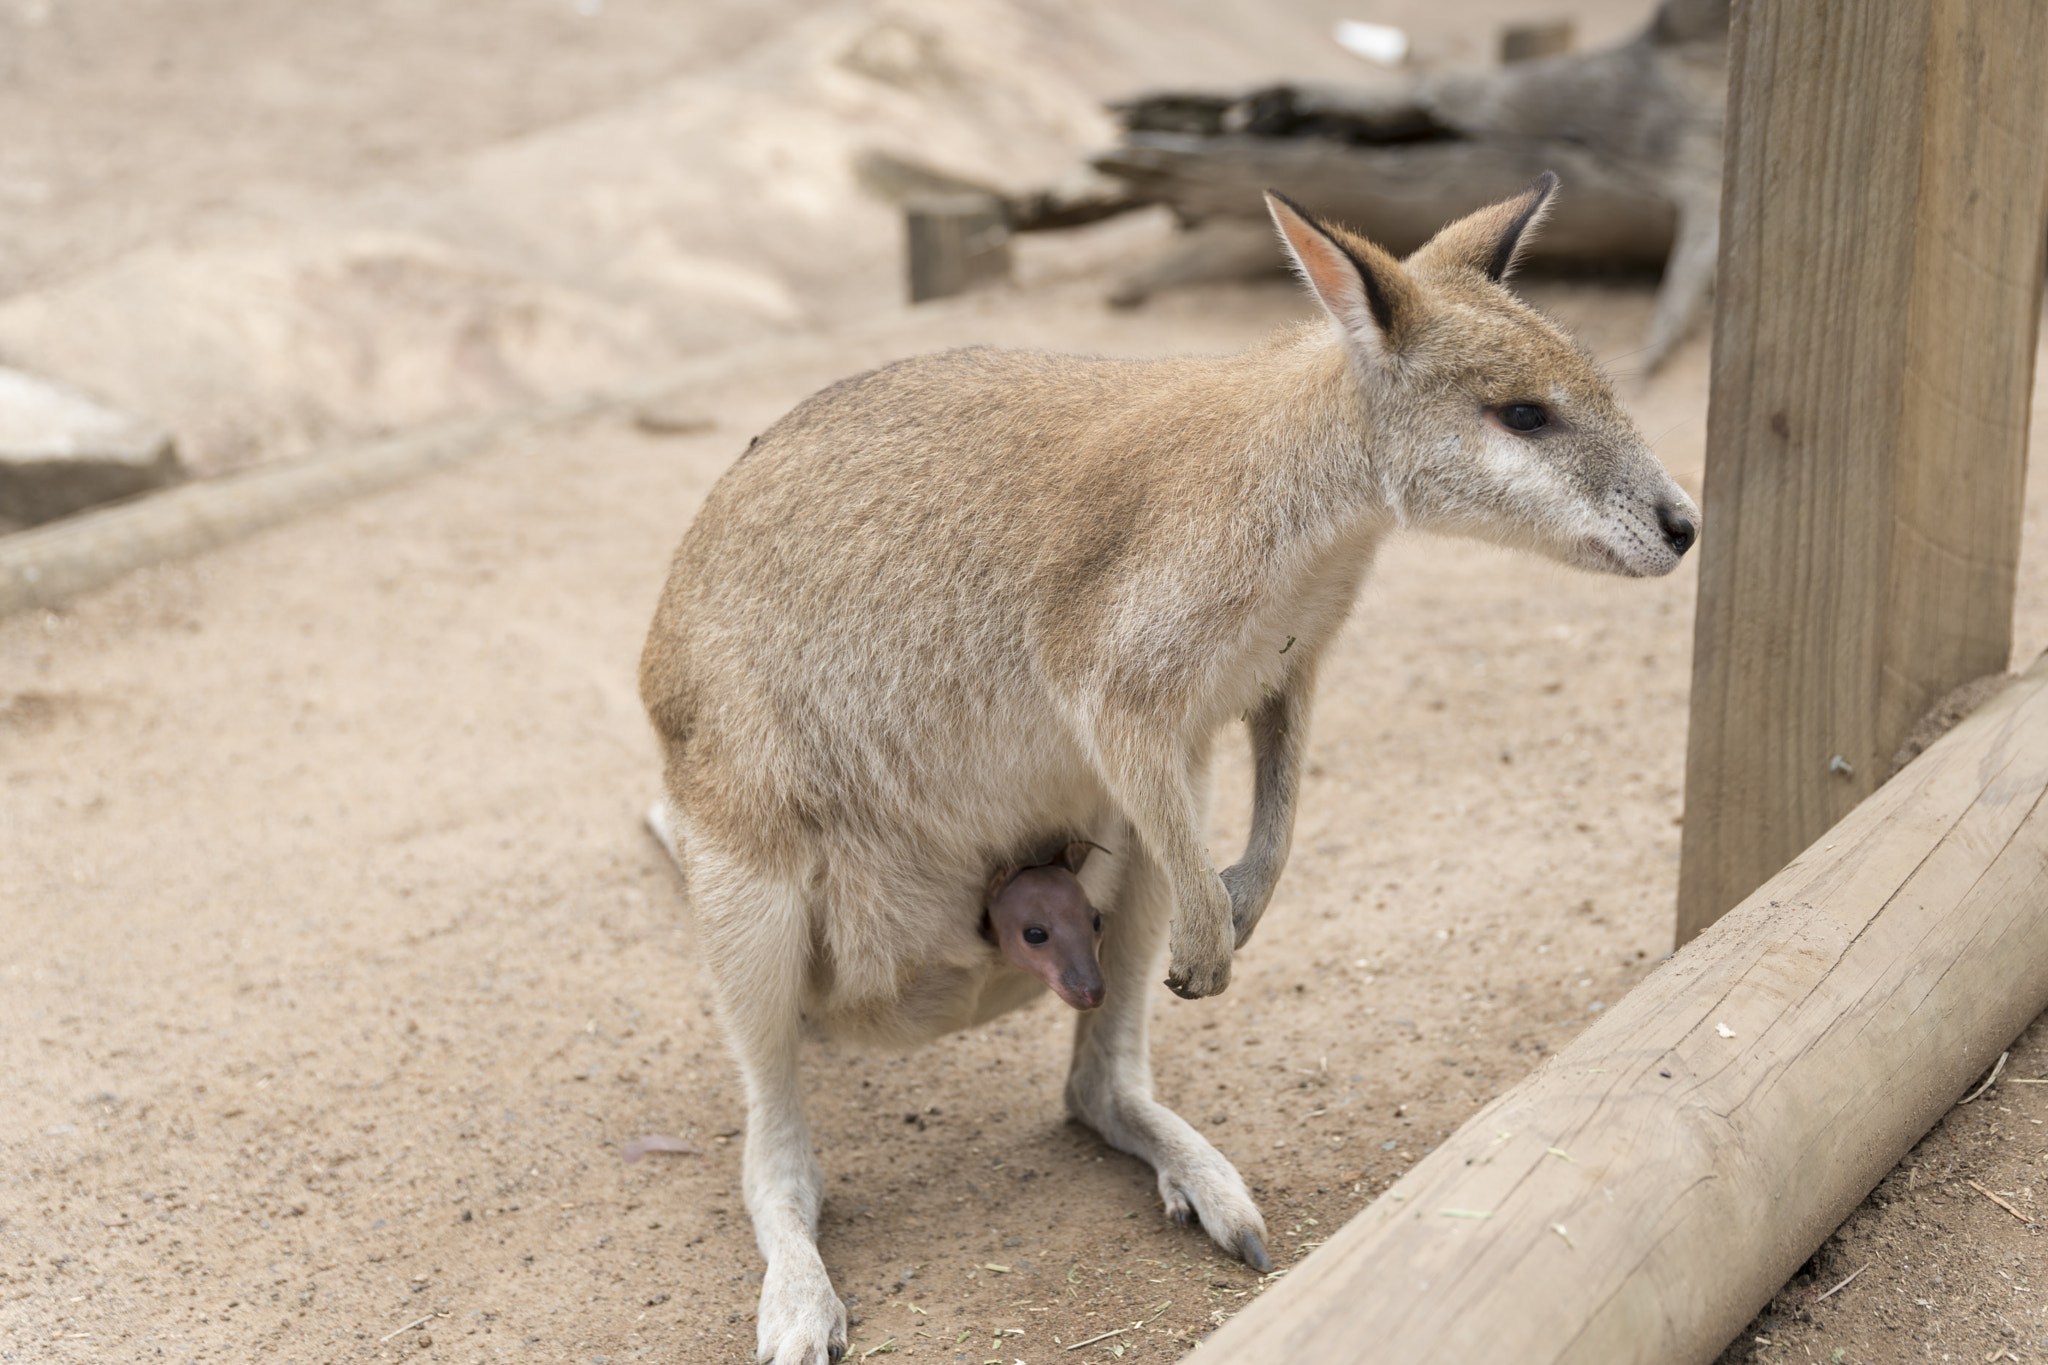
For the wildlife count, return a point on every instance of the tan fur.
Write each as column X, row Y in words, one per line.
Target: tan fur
column 970, row 605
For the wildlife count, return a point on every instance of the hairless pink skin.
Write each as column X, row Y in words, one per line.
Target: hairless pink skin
column 1041, row 919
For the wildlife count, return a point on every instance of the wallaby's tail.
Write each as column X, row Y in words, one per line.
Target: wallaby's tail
column 661, row 823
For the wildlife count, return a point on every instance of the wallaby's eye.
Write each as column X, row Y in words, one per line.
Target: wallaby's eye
column 1523, row 417
column 1036, row 935
column 1098, row 924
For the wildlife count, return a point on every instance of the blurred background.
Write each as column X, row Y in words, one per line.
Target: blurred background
column 268, row 227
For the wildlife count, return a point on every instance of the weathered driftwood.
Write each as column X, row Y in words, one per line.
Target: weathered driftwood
column 1652, row 1186
column 956, row 242
column 50, row 564
column 1634, row 130
column 1525, row 42
column 61, row 451
column 1867, row 439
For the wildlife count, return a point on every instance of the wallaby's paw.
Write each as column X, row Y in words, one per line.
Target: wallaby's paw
column 1191, row 975
column 1198, row 985
column 802, row 1321
column 1199, row 964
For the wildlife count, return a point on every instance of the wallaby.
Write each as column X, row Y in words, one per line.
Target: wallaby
column 1039, row 916
column 964, row 609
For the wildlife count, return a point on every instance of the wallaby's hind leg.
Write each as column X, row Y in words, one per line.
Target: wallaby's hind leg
column 757, row 939
column 1110, row 1085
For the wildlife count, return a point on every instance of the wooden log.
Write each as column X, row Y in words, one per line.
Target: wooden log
column 50, row 564
column 1881, row 274
column 1642, row 1195
column 957, row 242
column 1634, row 130
column 1401, row 194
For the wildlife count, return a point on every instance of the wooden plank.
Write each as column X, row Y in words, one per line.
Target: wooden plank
column 1880, row 280
column 1641, row 1196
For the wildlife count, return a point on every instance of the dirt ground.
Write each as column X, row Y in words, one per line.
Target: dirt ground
column 338, row 967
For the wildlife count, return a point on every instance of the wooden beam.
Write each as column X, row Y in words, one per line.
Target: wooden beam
column 1641, row 1196
column 1885, row 203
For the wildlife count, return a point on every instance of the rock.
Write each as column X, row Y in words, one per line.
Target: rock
column 60, row 452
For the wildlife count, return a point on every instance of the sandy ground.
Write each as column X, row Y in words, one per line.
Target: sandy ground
column 338, row 967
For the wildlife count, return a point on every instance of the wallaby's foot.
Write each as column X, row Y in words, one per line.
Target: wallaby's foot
column 802, row 1321
column 1250, row 1247
column 1200, row 1184
column 1195, row 1180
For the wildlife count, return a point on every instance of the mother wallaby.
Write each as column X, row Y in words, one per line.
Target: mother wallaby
column 963, row 609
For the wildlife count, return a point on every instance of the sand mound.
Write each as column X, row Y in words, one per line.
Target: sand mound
column 715, row 210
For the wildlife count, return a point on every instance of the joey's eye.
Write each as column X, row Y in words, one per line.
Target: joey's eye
column 1098, row 924
column 1523, row 417
column 1036, row 935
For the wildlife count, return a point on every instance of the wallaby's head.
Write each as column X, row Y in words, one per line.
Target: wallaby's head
column 1480, row 417
column 1041, row 920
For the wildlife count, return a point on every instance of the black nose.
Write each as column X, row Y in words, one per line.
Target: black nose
column 1679, row 532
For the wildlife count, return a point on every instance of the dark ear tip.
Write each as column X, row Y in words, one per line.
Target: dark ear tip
column 1546, row 183
column 1274, row 196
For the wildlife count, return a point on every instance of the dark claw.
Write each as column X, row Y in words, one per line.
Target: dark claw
column 1180, row 1216
column 1254, row 1253
column 1180, row 988
column 833, row 1352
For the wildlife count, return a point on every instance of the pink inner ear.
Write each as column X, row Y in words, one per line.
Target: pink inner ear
column 1330, row 272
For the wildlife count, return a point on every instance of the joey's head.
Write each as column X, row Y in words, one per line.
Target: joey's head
column 1042, row 921
column 1478, row 415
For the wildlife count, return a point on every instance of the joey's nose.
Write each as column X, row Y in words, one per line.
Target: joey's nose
column 1679, row 532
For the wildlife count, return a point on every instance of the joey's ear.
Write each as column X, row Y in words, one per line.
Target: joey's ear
column 1076, row 854
column 1490, row 240
column 1362, row 287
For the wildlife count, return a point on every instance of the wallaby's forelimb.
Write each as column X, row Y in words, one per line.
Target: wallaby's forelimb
column 1148, row 779
column 1279, row 737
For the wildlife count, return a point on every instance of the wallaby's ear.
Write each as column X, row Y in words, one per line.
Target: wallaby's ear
column 1490, row 240
column 1362, row 287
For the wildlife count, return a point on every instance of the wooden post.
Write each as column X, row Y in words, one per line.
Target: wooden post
column 1878, row 298
column 1645, row 1192
column 1526, row 41
column 957, row 242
